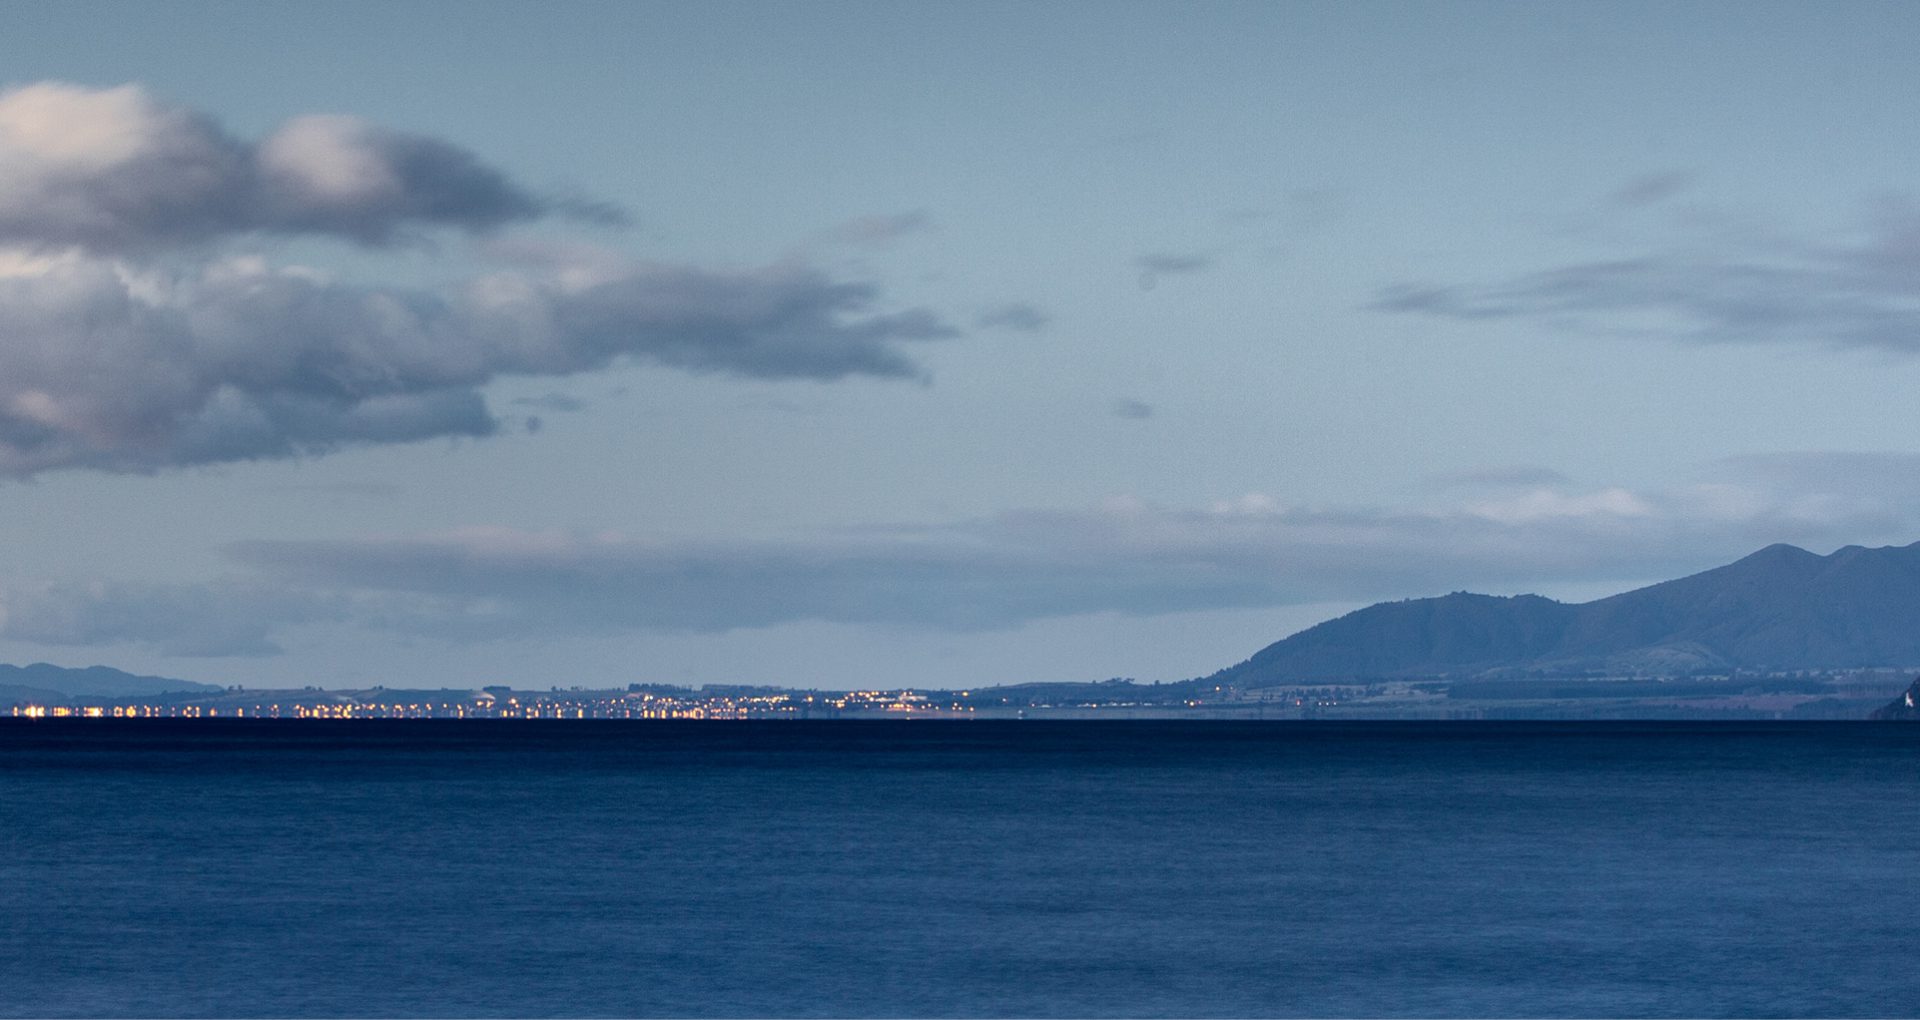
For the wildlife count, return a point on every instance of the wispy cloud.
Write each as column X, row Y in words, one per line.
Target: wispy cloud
column 1511, row 476
column 367, row 490
column 558, row 403
column 881, row 230
column 1155, row 265
column 1018, row 316
column 1131, row 409
column 1652, row 189
column 1711, row 284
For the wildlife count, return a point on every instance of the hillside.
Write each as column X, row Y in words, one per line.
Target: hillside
column 1906, row 706
column 1781, row 608
column 91, row 681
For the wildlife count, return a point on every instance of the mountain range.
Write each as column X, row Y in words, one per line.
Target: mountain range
column 1782, row 608
column 46, row 683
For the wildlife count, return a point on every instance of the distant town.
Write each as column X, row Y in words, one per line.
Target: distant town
column 1794, row 695
column 1754, row 639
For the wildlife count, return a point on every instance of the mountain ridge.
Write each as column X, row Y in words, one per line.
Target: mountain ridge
column 92, row 681
column 1780, row 607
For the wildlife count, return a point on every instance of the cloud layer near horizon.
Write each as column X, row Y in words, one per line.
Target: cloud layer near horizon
column 130, row 342
column 1002, row 571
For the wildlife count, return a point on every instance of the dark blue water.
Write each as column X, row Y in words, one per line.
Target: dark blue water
column 965, row 869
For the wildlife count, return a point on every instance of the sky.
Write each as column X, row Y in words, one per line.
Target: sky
column 880, row 345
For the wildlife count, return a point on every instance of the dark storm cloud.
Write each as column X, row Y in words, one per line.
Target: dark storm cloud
column 1716, row 286
column 118, row 170
column 105, row 367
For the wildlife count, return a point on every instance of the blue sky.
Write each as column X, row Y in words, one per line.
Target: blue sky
column 878, row 344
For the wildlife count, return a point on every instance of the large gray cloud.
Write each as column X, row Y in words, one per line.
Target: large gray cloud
column 129, row 342
column 118, row 170
column 1717, row 282
column 108, row 366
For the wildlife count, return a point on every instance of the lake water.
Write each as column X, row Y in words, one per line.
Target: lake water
column 958, row 869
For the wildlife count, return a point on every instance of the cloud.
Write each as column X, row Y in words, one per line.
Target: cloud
column 1125, row 556
column 367, row 490
column 880, row 231
column 1519, row 475
column 218, row 619
column 555, row 402
column 1017, row 316
column 1006, row 570
column 1155, row 265
column 1652, row 189
column 1716, row 285
column 1876, row 491
column 494, row 581
column 1858, row 473
column 132, row 340
column 107, row 365
column 1168, row 264
column 1302, row 212
column 117, row 170
column 338, row 174
column 1131, row 409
